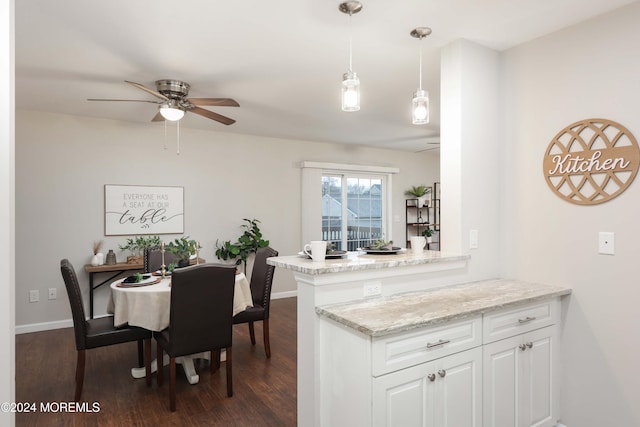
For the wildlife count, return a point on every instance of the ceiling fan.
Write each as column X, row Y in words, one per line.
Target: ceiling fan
column 174, row 103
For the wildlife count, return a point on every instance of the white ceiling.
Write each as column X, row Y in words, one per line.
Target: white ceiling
column 282, row 60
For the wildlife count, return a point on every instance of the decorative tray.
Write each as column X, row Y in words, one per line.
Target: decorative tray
column 331, row 255
column 125, row 283
column 372, row 251
column 159, row 273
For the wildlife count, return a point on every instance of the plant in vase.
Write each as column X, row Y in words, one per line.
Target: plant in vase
column 249, row 242
column 428, row 233
column 421, row 192
column 136, row 246
column 183, row 248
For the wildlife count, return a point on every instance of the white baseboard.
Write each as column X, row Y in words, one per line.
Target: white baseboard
column 68, row 323
column 46, row 326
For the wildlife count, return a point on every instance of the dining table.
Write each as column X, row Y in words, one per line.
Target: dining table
column 146, row 304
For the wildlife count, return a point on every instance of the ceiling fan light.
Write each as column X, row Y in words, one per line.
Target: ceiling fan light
column 171, row 112
column 420, row 107
column 350, row 92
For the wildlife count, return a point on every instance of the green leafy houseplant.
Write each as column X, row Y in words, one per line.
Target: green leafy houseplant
column 418, row 191
column 249, row 242
column 183, row 248
column 428, row 232
column 137, row 244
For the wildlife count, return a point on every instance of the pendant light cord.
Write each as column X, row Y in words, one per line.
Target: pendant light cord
column 350, row 44
column 420, row 55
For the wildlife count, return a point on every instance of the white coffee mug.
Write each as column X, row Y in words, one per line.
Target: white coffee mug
column 317, row 250
column 417, row 244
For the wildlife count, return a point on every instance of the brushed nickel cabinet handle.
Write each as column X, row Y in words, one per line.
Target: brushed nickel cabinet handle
column 526, row 319
column 522, row 347
column 432, row 377
column 436, row 344
column 529, row 344
column 442, row 373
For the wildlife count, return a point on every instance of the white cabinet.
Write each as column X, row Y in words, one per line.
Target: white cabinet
column 498, row 369
column 519, row 378
column 442, row 393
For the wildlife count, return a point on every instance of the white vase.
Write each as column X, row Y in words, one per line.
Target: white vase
column 94, row 260
column 417, row 244
column 100, row 256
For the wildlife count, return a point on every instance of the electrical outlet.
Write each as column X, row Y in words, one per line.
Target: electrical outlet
column 372, row 289
column 53, row 293
column 34, row 296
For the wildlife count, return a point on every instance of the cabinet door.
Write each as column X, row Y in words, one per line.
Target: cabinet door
column 441, row 393
column 539, row 398
column 405, row 398
column 519, row 380
column 502, row 378
column 458, row 396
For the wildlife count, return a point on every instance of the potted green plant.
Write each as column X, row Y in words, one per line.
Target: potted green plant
column 136, row 246
column 183, row 248
column 421, row 192
column 249, row 242
column 428, row 233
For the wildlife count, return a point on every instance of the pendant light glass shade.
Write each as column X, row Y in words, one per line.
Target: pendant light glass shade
column 170, row 111
column 350, row 80
column 420, row 110
column 350, row 92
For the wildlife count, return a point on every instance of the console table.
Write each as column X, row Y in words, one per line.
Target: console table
column 114, row 269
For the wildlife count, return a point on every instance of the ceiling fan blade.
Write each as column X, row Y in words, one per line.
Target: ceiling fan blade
column 123, row 100
column 158, row 117
column 219, row 102
column 146, row 89
column 213, row 116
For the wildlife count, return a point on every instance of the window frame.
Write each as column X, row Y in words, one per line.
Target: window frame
column 311, row 194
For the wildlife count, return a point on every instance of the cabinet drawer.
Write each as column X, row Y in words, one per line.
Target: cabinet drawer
column 411, row 348
column 507, row 323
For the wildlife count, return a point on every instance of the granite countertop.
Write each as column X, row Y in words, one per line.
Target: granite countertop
column 357, row 261
column 403, row 312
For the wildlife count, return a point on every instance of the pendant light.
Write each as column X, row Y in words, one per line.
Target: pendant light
column 350, row 80
column 420, row 105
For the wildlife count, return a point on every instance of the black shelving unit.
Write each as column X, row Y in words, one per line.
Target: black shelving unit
column 418, row 218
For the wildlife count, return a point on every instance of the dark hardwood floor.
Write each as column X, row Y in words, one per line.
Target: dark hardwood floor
column 264, row 389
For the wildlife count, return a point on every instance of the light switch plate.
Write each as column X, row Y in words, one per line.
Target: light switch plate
column 606, row 243
column 473, row 239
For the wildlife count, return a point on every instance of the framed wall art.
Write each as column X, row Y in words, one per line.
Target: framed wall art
column 136, row 210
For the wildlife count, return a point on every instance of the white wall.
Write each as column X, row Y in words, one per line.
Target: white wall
column 63, row 162
column 470, row 154
column 7, row 237
column 587, row 71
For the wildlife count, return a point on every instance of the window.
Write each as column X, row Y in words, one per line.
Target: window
column 353, row 209
column 347, row 205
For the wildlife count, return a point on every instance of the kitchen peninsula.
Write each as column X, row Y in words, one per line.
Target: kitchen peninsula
column 342, row 280
column 370, row 328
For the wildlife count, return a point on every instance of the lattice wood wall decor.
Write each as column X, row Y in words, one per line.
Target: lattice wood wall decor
column 591, row 161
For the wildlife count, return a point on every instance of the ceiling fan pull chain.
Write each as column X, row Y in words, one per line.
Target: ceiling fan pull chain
column 178, row 137
column 165, row 135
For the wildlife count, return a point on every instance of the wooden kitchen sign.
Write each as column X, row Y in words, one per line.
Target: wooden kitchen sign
column 591, row 161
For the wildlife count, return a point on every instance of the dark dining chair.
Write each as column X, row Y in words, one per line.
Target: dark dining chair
column 99, row 332
column 261, row 281
column 153, row 259
column 200, row 319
